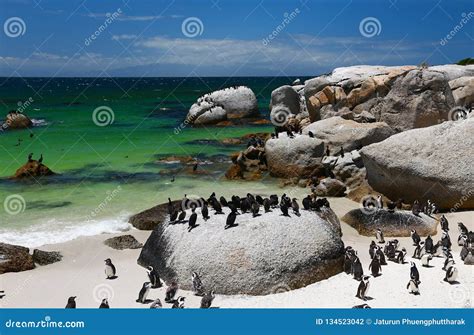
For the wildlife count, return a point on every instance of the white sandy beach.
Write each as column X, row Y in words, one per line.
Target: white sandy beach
column 81, row 274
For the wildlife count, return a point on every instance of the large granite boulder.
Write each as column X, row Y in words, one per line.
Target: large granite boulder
column 229, row 103
column 393, row 224
column 454, row 71
column 349, row 134
column 14, row 258
column 463, row 90
column 294, row 157
column 330, row 187
column 430, row 163
column 32, row 169
column 421, row 98
column 123, row 242
column 253, row 257
column 150, row 218
column 41, row 257
column 285, row 102
column 16, row 120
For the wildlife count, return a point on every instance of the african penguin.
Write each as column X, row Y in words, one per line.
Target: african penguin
column 198, row 288
column 104, row 303
column 414, row 274
column 451, row 274
column 379, row 236
column 425, row 260
column 363, row 288
column 171, row 292
column 413, row 287
column 71, row 302
column 207, row 299
column 154, row 277
column 110, row 271
column 156, row 304
column 142, row 295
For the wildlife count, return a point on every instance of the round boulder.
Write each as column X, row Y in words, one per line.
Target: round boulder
column 254, row 257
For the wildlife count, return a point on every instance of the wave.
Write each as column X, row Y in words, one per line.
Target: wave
column 39, row 122
column 57, row 231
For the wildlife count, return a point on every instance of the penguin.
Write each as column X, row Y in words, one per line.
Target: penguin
column 401, row 256
column 379, row 236
column 375, row 267
column 295, row 207
column 266, row 205
column 255, row 209
column 170, row 207
column 437, row 249
column 192, row 220
column 414, row 274
column 144, row 292
column 205, row 212
column 425, row 260
column 415, row 237
column 448, row 262
column 171, row 292
column 71, row 302
column 198, row 288
column 379, row 202
column 310, row 134
column 347, row 262
column 274, row 200
column 462, row 228
column 284, row 210
column 417, row 252
column 328, row 153
column 341, row 152
column 223, row 201
column 372, row 249
column 444, row 223
column 259, row 199
column 156, row 304
column 154, row 277
column 174, row 216
column 361, row 306
column 357, row 270
column 30, row 157
column 446, row 240
column 363, row 288
column 178, row 303
column 104, row 304
column 451, row 274
column 307, row 203
column 245, row 205
column 390, row 250
column 416, row 208
column 462, row 240
column 230, row 221
column 429, row 244
column 195, row 166
column 182, row 215
column 391, row 206
column 207, row 299
column 40, row 160
column 467, row 255
column 379, row 253
column 413, row 287
column 110, row 271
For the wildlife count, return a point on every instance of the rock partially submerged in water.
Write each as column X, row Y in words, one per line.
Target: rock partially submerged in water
column 393, row 224
column 330, row 187
column 150, row 218
column 15, row 258
column 32, row 169
column 123, row 242
column 16, row 120
column 255, row 257
column 218, row 106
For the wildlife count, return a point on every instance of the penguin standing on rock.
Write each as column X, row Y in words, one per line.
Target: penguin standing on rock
column 110, row 271
column 363, row 288
column 192, row 220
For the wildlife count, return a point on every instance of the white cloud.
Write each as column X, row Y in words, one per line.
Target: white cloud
column 124, row 37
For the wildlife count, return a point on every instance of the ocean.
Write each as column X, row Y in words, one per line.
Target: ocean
column 108, row 164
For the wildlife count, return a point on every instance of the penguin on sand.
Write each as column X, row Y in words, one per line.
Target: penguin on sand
column 142, row 295
column 198, row 288
column 154, row 277
column 171, row 292
column 415, row 237
column 207, row 299
column 178, row 303
column 413, row 287
column 296, row 207
column 372, row 249
column 414, row 274
column 363, row 288
column 156, row 304
column 192, row 220
column 230, row 221
column 205, row 212
column 357, row 270
column 284, row 210
column 110, row 270
column 425, row 260
column 71, row 302
column 375, row 267
column 451, row 274
column 379, row 236
column 104, row 303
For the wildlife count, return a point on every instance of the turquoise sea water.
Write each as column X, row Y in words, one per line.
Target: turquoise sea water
column 107, row 173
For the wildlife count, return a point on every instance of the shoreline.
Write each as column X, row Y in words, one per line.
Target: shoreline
column 81, row 273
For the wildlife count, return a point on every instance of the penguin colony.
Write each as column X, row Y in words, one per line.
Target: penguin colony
column 380, row 251
column 424, row 250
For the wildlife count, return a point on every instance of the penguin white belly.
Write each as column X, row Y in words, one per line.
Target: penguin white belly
column 366, row 288
column 109, row 271
column 453, row 275
column 413, row 287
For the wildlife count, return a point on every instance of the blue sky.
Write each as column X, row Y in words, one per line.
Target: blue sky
column 147, row 38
